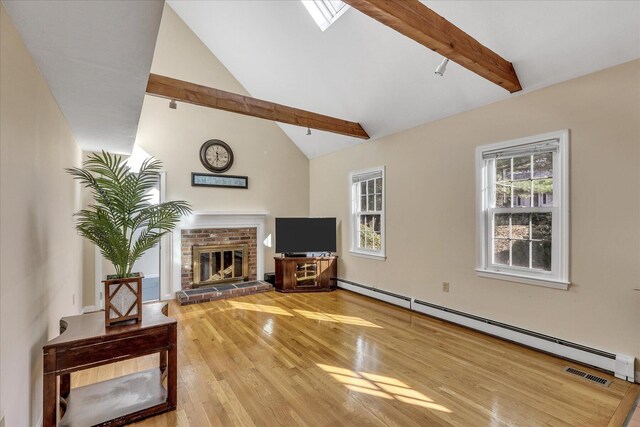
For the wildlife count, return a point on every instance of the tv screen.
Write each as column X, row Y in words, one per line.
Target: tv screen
column 305, row 235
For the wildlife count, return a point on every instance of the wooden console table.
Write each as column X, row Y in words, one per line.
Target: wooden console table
column 84, row 343
column 305, row 274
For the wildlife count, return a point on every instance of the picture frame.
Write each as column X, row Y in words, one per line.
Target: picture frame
column 214, row 180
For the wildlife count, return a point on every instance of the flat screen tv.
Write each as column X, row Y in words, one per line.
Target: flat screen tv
column 305, row 235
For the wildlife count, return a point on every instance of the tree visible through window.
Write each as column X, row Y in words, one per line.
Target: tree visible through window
column 523, row 209
column 367, row 192
column 523, row 239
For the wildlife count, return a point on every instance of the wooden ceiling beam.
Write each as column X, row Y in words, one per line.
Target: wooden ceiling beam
column 167, row 87
column 416, row 21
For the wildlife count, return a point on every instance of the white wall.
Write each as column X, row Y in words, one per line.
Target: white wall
column 278, row 171
column 40, row 252
column 430, row 218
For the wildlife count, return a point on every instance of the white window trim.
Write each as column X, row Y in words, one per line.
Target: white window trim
column 559, row 278
column 321, row 19
column 354, row 250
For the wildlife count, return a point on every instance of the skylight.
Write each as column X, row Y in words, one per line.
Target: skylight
column 325, row 12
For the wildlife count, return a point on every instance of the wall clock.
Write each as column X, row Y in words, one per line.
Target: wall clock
column 216, row 155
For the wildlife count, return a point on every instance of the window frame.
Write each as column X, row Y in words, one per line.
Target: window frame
column 354, row 216
column 558, row 277
column 323, row 12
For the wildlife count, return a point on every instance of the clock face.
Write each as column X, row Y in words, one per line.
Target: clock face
column 216, row 155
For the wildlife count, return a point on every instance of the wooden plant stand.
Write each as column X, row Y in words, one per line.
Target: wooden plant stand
column 115, row 289
column 85, row 342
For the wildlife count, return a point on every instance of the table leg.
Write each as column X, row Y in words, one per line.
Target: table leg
column 65, row 385
column 163, row 360
column 163, row 364
column 49, row 392
column 172, row 381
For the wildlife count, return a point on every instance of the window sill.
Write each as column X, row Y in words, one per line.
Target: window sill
column 511, row 277
column 378, row 257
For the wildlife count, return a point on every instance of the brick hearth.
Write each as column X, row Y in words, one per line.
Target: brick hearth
column 224, row 291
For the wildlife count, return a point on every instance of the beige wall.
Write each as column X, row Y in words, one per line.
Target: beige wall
column 430, row 218
column 40, row 271
column 278, row 171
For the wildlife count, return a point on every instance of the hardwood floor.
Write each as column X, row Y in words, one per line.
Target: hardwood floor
column 333, row 359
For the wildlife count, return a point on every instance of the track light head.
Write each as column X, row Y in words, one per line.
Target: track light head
column 173, row 104
column 442, row 67
column 308, row 131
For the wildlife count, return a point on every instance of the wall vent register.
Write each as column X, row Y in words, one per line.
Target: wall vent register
column 587, row 376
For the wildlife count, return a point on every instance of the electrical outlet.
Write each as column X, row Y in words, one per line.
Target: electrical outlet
column 445, row 286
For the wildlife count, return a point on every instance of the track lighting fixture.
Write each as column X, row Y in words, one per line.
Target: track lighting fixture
column 308, row 131
column 173, row 104
column 442, row 67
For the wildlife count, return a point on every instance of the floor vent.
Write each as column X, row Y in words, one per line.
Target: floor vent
column 588, row 377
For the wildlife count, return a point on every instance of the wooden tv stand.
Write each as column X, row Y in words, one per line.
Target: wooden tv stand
column 306, row 274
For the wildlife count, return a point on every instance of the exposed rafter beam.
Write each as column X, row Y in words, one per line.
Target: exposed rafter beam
column 192, row 93
column 418, row 22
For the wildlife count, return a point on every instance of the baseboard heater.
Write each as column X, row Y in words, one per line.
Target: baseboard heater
column 618, row 364
column 622, row 366
column 386, row 296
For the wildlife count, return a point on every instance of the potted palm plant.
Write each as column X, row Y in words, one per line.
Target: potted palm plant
column 124, row 224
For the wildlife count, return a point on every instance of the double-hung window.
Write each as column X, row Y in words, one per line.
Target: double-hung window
column 522, row 210
column 367, row 213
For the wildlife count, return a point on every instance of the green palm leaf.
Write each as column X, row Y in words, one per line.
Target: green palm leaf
column 122, row 222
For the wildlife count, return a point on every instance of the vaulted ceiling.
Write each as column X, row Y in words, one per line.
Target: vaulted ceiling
column 96, row 58
column 360, row 70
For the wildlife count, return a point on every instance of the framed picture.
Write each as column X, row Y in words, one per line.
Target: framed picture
column 211, row 180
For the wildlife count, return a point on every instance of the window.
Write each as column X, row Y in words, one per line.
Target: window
column 367, row 213
column 522, row 212
column 325, row 12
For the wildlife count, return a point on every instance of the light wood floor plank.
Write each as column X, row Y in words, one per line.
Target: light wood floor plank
column 340, row 359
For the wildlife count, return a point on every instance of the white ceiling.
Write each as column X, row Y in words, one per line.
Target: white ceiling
column 96, row 56
column 361, row 70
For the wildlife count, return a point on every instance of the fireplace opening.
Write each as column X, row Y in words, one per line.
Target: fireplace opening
column 213, row 264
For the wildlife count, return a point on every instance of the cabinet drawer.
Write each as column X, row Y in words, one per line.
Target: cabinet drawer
column 78, row 356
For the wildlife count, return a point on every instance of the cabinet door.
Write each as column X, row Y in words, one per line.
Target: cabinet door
column 326, row 272
column 280, row 272
column 306, row 274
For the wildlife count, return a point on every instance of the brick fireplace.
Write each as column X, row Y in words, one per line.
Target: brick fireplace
column 222, row 255
column 217, row 229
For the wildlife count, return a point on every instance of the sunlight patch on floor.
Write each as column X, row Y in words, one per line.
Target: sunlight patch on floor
column 259, row 307
column 272, row 309
column 372, row 392
column 359, row 382
column 381, row 386
column 338, row 318
column 336, row 370
column 383, row 379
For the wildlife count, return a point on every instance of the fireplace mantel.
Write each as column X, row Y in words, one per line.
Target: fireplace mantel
column 227, row 213
column 217, row 219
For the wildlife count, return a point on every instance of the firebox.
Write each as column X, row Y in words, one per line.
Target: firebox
column 219, row 263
